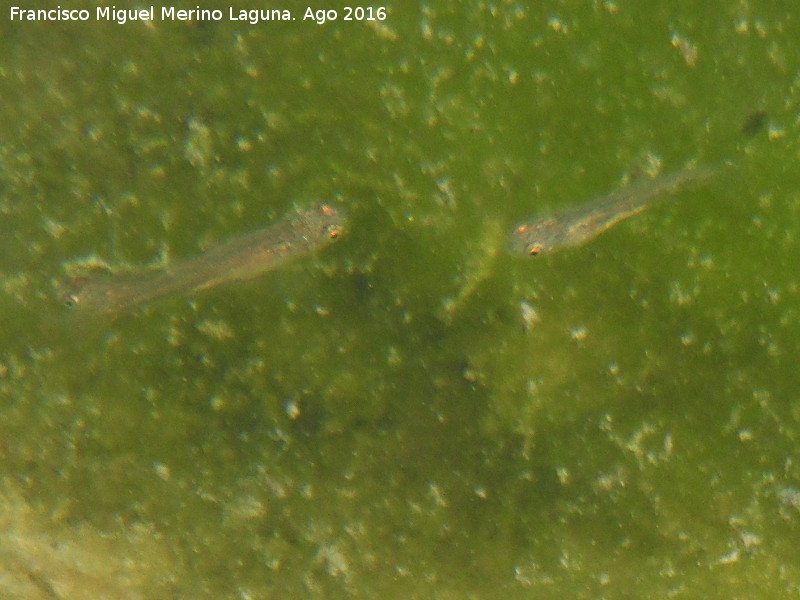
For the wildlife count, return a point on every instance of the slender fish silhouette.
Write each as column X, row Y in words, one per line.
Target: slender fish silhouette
column 244, row 257
column 579, row 224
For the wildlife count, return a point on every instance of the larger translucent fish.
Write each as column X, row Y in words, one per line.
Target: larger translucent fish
column 243, row 257
column 579, row 224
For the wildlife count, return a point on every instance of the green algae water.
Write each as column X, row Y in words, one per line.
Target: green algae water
column 410, row 412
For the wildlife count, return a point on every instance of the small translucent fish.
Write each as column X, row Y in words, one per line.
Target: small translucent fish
column 244, row 257
column 579, row 224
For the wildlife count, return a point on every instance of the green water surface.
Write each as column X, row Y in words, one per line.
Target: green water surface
column 411, row 412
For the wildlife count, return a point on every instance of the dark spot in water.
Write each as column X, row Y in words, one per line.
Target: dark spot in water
column 754, row 123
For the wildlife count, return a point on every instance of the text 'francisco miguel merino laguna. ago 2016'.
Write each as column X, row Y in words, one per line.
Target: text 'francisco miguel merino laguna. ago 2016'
column 170, row 13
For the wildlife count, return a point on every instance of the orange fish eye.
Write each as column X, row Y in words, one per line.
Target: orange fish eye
column 534, row 250
column 334, row 234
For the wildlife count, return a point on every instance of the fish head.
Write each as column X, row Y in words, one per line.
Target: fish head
column 325, row 221
column 532, row 238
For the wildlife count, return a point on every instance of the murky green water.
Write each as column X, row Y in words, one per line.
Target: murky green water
column 412, row 412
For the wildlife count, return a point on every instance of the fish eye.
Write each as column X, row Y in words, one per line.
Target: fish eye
column 534, row 250
column 332, row 231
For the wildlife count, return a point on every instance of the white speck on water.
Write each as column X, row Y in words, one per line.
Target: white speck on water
column 579, row 333
column 334, row 561
column 292, row 409
column 197, row 148
column 557, row 25
column 687, row 49
column 730, row 557
column 775, row 133
column 393, row 356
column 790, row 497
column 162, row 470
column 529, row 315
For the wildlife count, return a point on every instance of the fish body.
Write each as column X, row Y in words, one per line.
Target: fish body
column 244, row 257
column 577, row 225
